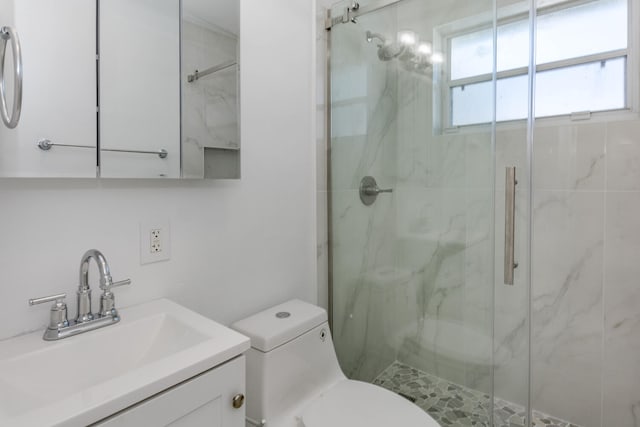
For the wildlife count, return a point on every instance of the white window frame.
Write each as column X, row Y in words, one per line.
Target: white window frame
column 442, row 83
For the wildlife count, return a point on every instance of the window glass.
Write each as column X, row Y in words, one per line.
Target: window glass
column 472, row 54
column 562, row 35
column 471, row 104
column 513, row 45
column 594, row 27
column 595, row 86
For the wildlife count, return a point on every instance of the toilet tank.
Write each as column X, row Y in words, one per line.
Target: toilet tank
column 291, row 360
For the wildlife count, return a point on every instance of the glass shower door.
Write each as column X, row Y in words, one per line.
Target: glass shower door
column 413, row 280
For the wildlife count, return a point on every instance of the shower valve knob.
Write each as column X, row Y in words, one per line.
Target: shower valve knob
column 369, row 190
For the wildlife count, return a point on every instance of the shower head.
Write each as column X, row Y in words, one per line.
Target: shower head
column 414, row 54
column 371, row 36
column 386, row 50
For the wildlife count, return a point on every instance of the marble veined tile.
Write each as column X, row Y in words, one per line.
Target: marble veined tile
column 623, row 155
column 621, row 361
column 570, row 157
column 566, row 342
column 362, row 253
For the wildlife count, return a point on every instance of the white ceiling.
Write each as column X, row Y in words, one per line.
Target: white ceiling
column 222, row 13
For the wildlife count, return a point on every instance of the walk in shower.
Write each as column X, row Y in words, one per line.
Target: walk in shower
column 484, row 205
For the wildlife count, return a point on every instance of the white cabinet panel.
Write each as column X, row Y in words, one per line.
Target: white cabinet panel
column 139, row 87
column 203, row 401
column 58, row 41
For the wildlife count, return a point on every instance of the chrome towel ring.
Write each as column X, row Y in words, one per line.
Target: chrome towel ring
column 9, row 34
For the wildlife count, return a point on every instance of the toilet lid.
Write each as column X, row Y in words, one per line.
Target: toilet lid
column 355, row 403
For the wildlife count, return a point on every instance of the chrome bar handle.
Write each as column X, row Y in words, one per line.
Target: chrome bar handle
column 509, row 224
column 45, row 145
column 9, row 34
column 50, row 298
column 197, row 74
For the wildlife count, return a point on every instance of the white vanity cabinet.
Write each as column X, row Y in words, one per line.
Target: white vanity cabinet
column 203, row 401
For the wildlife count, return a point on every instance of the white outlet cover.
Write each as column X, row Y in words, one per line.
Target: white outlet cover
column 146, row 256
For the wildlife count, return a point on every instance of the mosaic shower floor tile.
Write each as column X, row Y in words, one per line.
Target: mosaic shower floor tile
column 453, row 405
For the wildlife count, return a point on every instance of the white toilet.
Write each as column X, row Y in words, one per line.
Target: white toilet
column 294, row 380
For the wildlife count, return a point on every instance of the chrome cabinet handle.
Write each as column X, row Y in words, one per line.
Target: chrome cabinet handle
column 9, row 34
column 509, row 224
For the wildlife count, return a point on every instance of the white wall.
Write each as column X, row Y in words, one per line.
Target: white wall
column 237, row 246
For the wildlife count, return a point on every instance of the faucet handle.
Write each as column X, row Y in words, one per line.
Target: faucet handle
column 107, row 300
column 58, row 315
column 121, row 283
column 58, row 298
column 107, row 288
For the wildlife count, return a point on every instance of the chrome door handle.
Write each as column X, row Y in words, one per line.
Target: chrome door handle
column 9, row 34
column 509, row 224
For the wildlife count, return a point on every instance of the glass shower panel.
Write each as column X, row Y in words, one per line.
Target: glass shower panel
column 585, row 347
column 413, row 272
column 511, row 377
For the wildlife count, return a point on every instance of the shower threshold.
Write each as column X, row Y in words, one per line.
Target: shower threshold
column 453, row 405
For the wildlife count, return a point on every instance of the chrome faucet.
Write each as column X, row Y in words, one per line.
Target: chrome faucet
column 59, row 326
column 84, row 291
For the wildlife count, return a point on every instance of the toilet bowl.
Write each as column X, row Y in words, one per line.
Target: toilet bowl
column 294, row 380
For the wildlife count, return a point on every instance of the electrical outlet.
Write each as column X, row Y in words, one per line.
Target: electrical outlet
column 155, row 242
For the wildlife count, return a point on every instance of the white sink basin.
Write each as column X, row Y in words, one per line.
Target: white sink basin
column 85, row 378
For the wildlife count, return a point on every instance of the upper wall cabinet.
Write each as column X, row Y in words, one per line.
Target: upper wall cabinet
column 58, row 72
column 146, row 91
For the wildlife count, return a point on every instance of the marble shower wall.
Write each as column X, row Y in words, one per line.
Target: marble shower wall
column 412, row 274
column 443, row 229
column 364, row 129
column 586, row 322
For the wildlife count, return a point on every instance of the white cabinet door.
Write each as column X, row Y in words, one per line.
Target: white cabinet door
column 203, row 401
column 139, row 88
column 59, row 89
